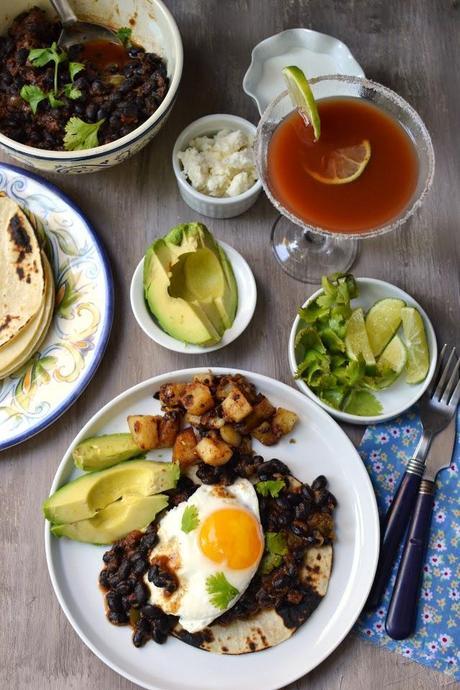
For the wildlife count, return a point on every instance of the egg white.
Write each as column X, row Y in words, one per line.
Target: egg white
column 191, row 601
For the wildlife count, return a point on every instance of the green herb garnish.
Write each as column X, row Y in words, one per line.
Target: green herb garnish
column 75, row 68
column 275, row 549
column 72, row 92
column 33, row 95
column 271, row 487
column 81, row 135
column 190, row 520
column 220, row 590
column 55, row 102
column 124, row 34
column 323, row 360
column 42, row 56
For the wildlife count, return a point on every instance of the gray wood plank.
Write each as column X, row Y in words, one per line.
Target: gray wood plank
column 408, row 46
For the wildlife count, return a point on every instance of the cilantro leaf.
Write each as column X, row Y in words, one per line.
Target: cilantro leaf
column 54, row 102
column 220, row 590
column 75, row 68
column 271, row 487
column 41, row 56
column 190, row 519
column 71, row 91
column 33, row 95
column 275, row 542
column 81, row 135
column 124, row 34
column 363, row 403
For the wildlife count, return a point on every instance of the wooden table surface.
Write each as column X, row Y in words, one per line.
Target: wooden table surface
column 411, row 47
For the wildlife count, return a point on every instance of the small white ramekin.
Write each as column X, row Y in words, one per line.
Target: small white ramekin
column 213, row 207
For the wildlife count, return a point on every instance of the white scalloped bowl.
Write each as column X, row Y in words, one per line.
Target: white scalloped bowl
column 316, row 53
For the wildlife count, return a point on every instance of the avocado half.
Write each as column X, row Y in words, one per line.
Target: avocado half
column 189, row 285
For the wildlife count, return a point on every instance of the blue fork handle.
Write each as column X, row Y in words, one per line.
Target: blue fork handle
column 393, row 529
column 402, row 612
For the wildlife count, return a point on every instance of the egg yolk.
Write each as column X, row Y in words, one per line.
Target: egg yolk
column 233, row 536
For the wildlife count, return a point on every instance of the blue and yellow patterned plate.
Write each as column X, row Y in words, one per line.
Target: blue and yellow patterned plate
column 43, row 389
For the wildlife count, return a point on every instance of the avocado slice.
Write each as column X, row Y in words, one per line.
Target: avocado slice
column 189, row 285
column 83, row 497
column 100, row 452
column 115, row 521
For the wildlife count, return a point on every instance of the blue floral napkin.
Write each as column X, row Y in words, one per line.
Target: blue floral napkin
column 385, row 450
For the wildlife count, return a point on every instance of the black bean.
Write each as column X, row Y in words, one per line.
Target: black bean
column 299, row 528
column 114, row 601
column 149, row 540
column 79, row 109
column 158, row 634
column 321, row 497
column 104, row 578
column 162, row 578
column 151, row 612
column 124, row 588
column 301, row 511
column 124, row 569
column 118, row 617
column 141, row 593
column 102, row 112
column 91, row 112
column 97, row 88
column 114, row 120
column 139, row 567
column 81, row 83
column 133, row 52
column 319, row 483
column 22, row 55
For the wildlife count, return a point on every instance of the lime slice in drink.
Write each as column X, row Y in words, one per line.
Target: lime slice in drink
column 356, row 340
column 382, row 321
column 343, row 165
column 418, row 356
column 302, row 97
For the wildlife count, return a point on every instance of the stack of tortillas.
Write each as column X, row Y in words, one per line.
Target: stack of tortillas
column 26, row 289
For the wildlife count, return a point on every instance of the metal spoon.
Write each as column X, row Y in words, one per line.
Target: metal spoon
column 74, row 31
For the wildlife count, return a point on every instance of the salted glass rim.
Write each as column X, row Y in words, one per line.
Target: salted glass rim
column 415, row 202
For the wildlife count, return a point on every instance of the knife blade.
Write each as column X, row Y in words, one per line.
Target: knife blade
column 441, row 450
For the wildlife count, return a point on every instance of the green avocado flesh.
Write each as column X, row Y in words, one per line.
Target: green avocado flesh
column 83, row 497
column 115, row 521
column 100, row 452
column 189, row 285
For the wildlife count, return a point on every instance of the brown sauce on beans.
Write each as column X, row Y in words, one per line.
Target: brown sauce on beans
column 101, row 54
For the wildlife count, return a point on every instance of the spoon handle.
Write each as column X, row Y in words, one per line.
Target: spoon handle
column 65, row 12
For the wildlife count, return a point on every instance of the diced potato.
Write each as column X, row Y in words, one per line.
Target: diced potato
column 265, row 434
column 197, row 398
column 227, row 383
column 184, row 449
column 236, row 406
column 230, row 435
column 168, row 428
column 283, row 421
column 171, row 394
column 207, row 379
column 262, row 410
column 193, row 419
column 211, row 420
column 214, row 451
column 144, row 430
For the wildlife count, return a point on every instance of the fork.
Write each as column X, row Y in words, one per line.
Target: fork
column 437, row 408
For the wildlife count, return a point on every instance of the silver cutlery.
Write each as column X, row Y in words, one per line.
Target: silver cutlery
column 437, row 408
column 75, row 31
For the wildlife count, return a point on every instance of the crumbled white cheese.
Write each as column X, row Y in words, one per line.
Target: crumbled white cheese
column 220, row 165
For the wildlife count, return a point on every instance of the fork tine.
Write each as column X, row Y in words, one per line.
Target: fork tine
column 455, row 397
column 436, row 371
column 444, row 375
column 450, row 384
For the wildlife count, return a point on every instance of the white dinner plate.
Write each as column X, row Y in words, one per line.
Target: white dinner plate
column 399, row 397
column 320, row 447
column 247, row 299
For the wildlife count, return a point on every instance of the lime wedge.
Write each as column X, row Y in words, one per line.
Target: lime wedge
column 393, row 357
column 302, row 97
column 418, row 356
column 382, row 321
column 343, row 165
column 356, row 340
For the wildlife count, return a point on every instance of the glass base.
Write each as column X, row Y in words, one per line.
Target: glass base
column 307, row 256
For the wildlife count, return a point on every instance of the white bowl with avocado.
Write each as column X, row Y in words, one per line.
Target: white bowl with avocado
column 398, row 397
column 186, row 293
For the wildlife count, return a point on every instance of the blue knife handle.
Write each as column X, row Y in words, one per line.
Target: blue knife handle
column 393, row 529
column 402, row 611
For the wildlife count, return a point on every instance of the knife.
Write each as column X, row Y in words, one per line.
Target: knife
column 402, row 611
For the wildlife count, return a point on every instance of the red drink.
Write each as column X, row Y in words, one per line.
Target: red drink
column 378, row 195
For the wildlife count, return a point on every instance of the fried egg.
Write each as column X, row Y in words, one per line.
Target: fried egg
column 214, row 558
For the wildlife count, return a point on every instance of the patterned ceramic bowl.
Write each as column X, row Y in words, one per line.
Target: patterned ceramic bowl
column 155, row 29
